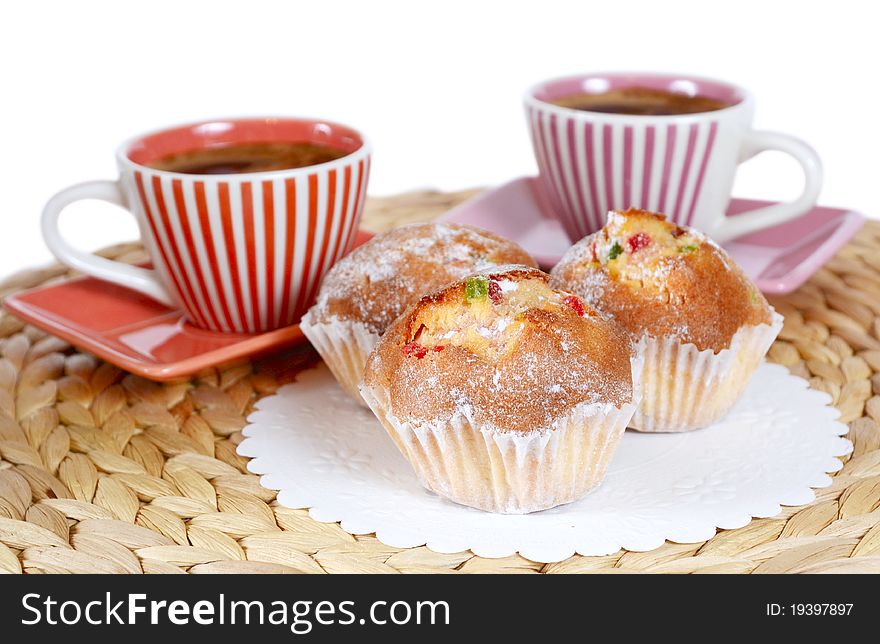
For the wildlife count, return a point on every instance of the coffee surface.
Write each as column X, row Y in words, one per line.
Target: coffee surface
column 250, row 157
column 640, row 100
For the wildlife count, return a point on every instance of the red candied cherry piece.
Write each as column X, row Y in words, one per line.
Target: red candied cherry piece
column 638, row 242
column 495, row 293
column 438, row 348
column 576, row 304
column 415, row 349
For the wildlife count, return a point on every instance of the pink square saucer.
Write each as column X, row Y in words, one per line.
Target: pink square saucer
column 136, row 333
column 778, row 259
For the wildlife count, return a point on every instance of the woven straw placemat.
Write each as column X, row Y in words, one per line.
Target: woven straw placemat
column 102, row 471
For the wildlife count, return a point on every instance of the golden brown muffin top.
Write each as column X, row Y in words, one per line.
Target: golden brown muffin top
column 502, row 349
column 656, row 278
column 377, row 281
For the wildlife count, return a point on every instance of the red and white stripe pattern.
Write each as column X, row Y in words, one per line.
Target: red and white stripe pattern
column 589, row 167
column 247, row 255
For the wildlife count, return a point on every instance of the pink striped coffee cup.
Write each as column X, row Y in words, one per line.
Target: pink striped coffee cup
column 239, row 253
column 682, row 165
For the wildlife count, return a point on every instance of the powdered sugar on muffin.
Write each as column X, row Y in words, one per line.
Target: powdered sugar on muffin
column 701, row 327
column 503, row 394
column 655, row 277
column 378, row 280
column 365, row 291
column 504, row 350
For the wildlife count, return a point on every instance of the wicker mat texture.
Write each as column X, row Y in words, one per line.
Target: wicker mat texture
column 104, row 472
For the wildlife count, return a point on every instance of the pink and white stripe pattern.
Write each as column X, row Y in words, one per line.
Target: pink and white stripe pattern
column 590, row 166
column 681, row 165
column 247, row 255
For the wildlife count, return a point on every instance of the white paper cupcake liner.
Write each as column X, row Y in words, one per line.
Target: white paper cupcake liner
column 508, row 472
column 345, row 346
column 683, row 388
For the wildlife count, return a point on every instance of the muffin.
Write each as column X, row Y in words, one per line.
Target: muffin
column 504, row 394
column 365, row 291
column 701, row 326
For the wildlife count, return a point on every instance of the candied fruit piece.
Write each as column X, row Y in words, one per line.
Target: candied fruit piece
column 575, row 303
column 688, row 248
column 753, row 296
column 495, row 293
column 638, row 242
column 476, row 288
column 615, row 251
column 438, row 348
column 415, row 349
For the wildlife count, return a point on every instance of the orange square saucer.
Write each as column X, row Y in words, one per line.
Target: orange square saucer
column 136, row 333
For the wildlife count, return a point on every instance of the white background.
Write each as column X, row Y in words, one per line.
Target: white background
column 436, row 86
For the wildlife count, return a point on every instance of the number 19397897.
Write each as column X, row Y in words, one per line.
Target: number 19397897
column 798, row 610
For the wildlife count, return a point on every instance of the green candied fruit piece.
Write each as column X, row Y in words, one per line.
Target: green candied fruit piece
column 688, row 248
column 753, row 295
column 476, row 288
column 616, row 250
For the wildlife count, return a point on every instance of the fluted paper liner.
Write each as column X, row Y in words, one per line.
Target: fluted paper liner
column 344, row 346
column 683, row 388
column 508, row 472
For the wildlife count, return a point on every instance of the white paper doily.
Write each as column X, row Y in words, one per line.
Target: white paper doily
column 324, row 452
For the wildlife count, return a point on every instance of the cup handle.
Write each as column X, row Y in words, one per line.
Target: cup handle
column 140, row 279
column 754, row 143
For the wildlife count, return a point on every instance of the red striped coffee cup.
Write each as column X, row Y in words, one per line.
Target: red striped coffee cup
column 240, row 253
column 682, row 165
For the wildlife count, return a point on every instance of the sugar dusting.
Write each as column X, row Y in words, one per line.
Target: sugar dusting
column 543, row 362
column 699, row 296
column 378, row 280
